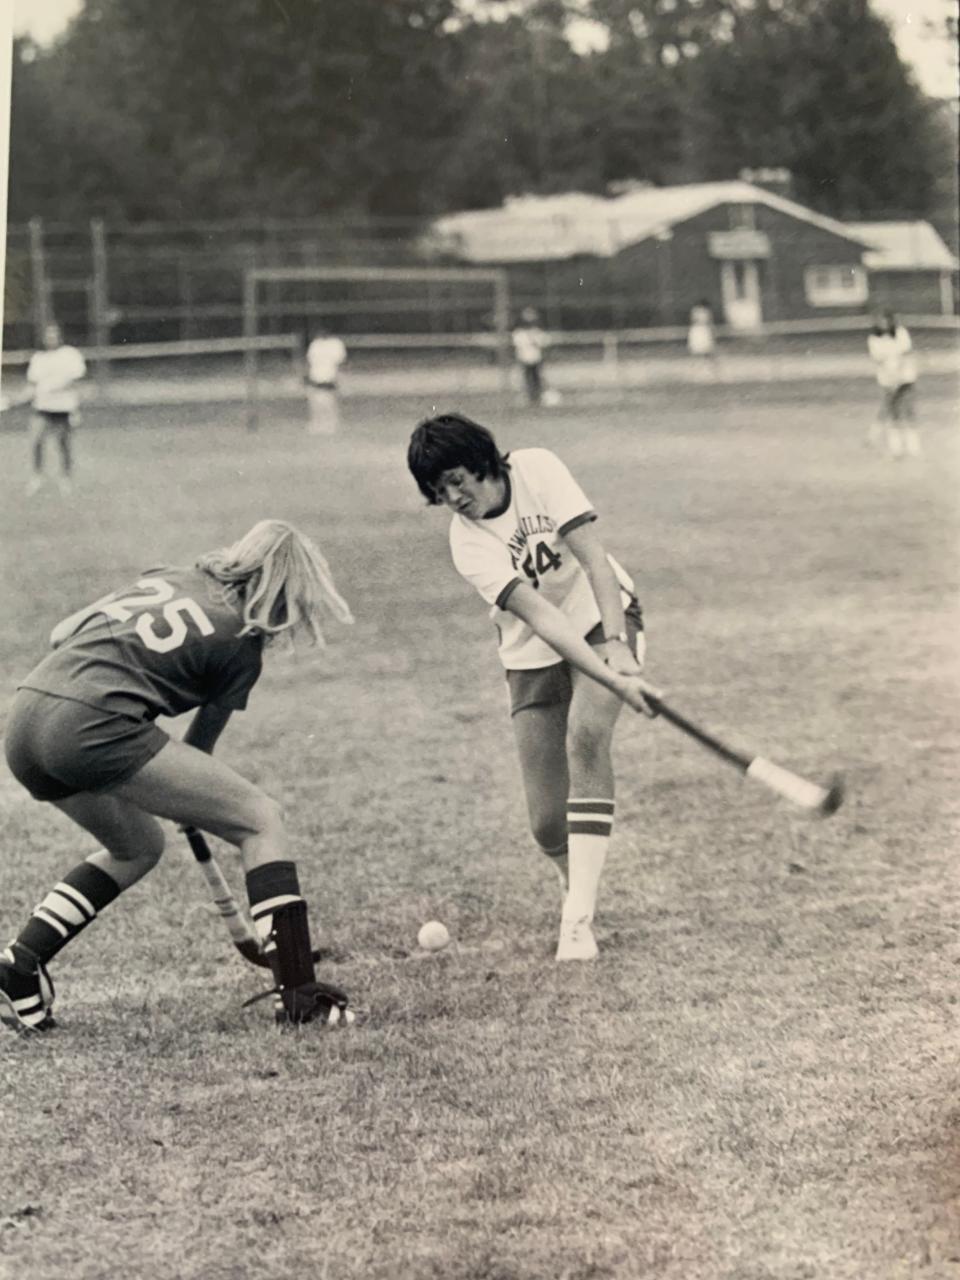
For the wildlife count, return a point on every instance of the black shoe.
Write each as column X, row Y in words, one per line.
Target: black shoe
column 312, row 1002
column 309, row 1002
column 26, row 992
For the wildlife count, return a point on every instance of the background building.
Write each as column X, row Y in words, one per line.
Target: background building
column 645, row 257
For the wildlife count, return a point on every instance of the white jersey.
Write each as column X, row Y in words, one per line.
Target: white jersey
column 528, row 344
column 324, row 358
column 53, row 375
column 892, row 353
column 526, row 544
column 700, row 334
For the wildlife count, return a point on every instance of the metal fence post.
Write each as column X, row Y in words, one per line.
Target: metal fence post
column 38, row 275
column 501, row 306
column 250, row 291
column 101, row 302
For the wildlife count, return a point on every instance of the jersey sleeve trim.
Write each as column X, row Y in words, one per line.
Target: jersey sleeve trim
column 507, row 592
column 586, row 517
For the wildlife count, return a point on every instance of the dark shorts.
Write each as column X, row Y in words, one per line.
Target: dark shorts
column 57, row 747
column 553, row 685
column 63, row 421
column 899, row 394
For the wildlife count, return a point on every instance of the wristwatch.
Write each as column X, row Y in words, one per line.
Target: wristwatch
column 621, row 636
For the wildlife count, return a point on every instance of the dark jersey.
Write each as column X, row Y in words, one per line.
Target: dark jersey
column 166, row 644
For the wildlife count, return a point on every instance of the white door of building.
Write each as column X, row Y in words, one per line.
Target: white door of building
column 740, row 290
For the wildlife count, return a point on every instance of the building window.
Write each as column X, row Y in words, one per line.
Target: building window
column 835, row 286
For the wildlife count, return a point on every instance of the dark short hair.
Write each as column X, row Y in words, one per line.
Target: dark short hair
column 451, row 440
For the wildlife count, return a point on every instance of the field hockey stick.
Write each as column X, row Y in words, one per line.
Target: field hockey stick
column 241, row 931
column 801, row 791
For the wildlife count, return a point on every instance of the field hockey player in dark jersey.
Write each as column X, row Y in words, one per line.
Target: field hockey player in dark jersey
column 82, row 735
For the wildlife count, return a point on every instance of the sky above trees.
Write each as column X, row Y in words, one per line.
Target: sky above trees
column 919, row 30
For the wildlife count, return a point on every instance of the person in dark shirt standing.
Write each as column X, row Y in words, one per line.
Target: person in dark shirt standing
column 82, row 735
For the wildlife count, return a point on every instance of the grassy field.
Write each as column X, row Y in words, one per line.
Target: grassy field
column 758, row 1080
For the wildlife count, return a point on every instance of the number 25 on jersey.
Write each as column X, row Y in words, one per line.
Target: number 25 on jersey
column 155, row 592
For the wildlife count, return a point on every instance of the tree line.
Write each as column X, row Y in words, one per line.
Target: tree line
column 404, row 108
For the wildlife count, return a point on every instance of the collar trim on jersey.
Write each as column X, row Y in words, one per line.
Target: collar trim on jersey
column 507, row 499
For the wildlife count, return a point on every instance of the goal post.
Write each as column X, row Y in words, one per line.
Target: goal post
column 380, row 309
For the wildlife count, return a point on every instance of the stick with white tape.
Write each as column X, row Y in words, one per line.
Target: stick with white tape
column 801, row 791
column 241, row 932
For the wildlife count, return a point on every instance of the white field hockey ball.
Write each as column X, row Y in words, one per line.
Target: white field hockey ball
column 433, row 936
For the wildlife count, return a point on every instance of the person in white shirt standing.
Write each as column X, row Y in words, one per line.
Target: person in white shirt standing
column 570, row 631
column 325, row 355
column 891, row 350
column 529, row 344
column 53, row 373
column 701, row 336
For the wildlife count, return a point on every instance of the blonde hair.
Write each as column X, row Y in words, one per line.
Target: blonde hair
column 283, row 580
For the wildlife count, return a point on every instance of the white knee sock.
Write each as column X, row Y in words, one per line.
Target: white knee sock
column 589, row 824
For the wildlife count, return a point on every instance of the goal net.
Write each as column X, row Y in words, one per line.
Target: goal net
column 407, row 331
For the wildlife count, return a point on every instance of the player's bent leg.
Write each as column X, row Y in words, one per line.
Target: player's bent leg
column 590, row 809
column 132, row 840
column 195, row 789
column 540, row 735
column 590, row 725
column 133, row 843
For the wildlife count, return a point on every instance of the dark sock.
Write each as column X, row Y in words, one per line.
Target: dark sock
column 67, row 909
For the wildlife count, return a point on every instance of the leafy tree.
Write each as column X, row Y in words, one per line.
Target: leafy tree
column 287, row 108
column 817, row 86
column 265, row 106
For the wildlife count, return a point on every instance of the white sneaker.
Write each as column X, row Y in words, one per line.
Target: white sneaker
column 576, row 941
column 34, row 485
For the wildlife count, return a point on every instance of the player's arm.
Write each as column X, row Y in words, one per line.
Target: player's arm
column 206, row 727
column 16, row 401
column 555, row 629
column 586, row 546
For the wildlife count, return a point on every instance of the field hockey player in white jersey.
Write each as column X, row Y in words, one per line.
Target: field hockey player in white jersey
column 571, row 638
column 325, row 355
column 53, row 374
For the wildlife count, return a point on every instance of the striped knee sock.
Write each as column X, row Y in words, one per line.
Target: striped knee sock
column 269, row 887
column 589, row 824
column 67, row 910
